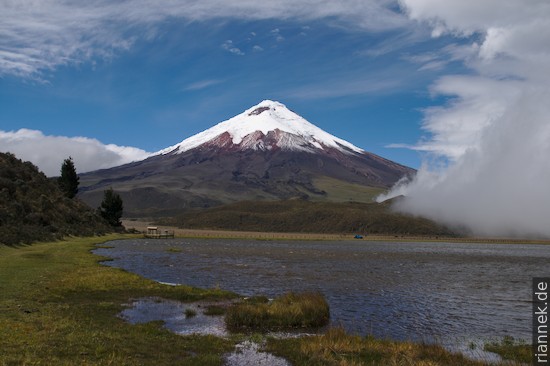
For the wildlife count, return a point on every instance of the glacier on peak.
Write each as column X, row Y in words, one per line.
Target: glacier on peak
column 271, row 118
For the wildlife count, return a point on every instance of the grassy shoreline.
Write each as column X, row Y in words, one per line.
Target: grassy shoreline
column 59, row 306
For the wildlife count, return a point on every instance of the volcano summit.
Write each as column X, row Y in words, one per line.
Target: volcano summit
column 267, row 152
column 266, row 126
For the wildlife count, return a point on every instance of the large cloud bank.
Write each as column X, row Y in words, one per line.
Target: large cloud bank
column 493, row 135
column 48, row 152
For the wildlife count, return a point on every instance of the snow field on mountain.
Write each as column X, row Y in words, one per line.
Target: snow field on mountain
column 299, row 134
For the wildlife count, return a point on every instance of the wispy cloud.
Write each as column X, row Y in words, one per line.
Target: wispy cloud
column 48, row 152
column 341, row 88
column 430, row 61
column 202, row 84
column 42, row 35
column 352, row 81
column 394, row 43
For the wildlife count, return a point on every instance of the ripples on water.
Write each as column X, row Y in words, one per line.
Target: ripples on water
column 420, row 291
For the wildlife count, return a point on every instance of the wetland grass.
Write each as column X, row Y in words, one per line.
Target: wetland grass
column 190, row 313
column 510, row 349
column 173, row 250
column 289, row 311
column 336, row 347
column 215, row 310
column 59, row 307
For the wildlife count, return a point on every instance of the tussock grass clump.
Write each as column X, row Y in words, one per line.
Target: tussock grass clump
column 289, row 311
column 190, row 313
column 510, row 349
column 173, row 250
column 215, row 310
column 336, row 347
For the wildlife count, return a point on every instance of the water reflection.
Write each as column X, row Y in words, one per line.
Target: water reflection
column 419, row 291
column 173, row 314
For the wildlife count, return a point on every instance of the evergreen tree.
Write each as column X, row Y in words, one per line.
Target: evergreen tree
column 68, row 181
column 111, row 207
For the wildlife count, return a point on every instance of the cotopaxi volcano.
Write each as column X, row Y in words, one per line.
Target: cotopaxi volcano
column 267, row 152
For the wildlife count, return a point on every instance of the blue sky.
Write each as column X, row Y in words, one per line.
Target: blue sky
column 456, row 88
column 365, row 85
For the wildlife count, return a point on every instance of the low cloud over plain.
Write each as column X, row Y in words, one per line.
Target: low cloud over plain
column 488, row 170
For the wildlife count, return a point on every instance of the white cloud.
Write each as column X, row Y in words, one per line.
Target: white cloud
column 42, row 35
column 48, row 152
column 495, row 129
column 229, row 46
column 277, row 34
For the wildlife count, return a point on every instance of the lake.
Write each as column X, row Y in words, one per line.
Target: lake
column 434, row 292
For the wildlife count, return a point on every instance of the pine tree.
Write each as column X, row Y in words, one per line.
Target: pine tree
column 111, row 207
column 68, row 181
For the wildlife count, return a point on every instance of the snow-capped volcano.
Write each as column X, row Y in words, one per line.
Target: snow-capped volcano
column 265, row 153
column 265, row 126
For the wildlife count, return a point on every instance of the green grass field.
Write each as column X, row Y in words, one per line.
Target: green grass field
column 341, row 191
column 298, row 216
column 59, row 307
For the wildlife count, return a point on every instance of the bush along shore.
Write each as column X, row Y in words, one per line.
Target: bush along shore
column 60, row 306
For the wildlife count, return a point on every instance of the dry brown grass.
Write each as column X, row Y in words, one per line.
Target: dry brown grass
column 337, row 348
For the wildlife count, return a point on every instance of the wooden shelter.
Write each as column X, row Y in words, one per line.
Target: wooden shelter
column 154, row 232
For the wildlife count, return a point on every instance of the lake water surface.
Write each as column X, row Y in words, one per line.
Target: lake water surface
column 421, row 291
